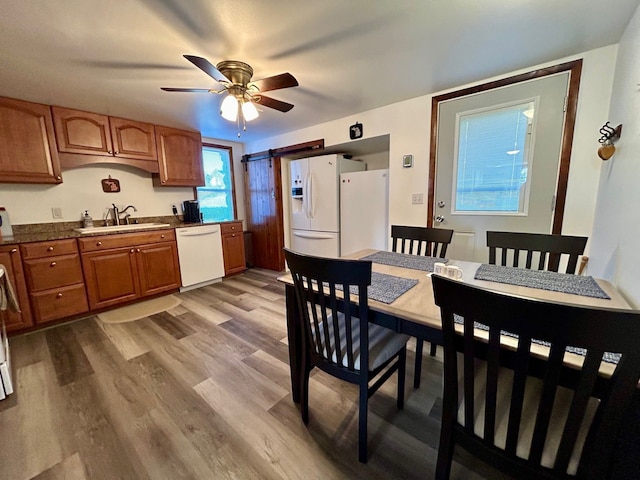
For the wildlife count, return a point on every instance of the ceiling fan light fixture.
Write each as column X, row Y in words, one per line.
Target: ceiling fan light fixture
column 229, row 108
column 249, row 111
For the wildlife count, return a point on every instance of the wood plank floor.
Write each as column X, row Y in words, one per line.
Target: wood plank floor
column 203, row 391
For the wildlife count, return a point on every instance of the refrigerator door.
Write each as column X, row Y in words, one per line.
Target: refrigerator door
column 322, row 194
column 364, row 200
column 320, row 244
column 299, row 174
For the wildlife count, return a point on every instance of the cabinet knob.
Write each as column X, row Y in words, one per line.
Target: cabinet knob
column 110, row 152
column 161, row 236
column 138, row 250
column 233, row 234
column 59, row 295
column 59, row 178
column 116, row 152
column 133, row 250
column 52, row 264
column 98, row 244
column 50, row 249
column 13, row 250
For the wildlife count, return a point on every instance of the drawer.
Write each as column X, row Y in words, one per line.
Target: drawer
column 105, row 242
column 59, row 303
column 47, row 249
column 231, row 227
column 45, row 273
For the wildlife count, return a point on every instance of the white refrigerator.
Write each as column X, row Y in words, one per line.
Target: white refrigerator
column 364, row 211
column 315, row 203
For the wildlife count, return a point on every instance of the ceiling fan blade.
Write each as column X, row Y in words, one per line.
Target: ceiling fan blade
column 195, row 90
column 204, row 65
column 284, row 80
column 272, row 103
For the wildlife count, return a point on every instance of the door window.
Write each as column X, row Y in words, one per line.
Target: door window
column 492, row 160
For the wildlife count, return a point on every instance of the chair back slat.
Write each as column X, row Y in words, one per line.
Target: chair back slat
column 576, row 413
column 431, row 242
column 548, row 249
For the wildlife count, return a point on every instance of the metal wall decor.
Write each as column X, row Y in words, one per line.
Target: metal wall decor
column 609, row 136
column 110, row 185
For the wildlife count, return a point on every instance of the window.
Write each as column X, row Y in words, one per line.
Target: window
column 217, row 196
column 493, row 160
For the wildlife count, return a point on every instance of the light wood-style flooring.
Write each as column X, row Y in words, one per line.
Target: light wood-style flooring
column 203, row 391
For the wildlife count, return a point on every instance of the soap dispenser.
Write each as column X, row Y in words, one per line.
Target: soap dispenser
column 87, row 220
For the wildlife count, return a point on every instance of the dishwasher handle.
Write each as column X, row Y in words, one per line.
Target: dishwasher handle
column 192, row 232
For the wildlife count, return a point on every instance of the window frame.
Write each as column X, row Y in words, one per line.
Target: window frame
column 233, row 177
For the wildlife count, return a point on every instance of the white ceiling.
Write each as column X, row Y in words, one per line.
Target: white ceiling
column 349, row 56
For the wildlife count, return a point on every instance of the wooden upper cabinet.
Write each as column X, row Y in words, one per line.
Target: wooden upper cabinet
column 179, row 158
column 95, row 134
column 133, row 139
column 28, row 152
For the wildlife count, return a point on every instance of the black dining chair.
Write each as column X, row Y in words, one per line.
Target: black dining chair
column 431, row 242
column 337, row 336
column 525, row 411
column 547, row 248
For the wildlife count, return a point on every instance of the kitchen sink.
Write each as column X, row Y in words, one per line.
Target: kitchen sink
column 121, row 228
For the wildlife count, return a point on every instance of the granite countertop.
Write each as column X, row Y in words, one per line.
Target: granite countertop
column 40, row 232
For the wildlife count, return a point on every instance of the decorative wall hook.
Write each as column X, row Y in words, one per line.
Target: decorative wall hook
column 609, row 136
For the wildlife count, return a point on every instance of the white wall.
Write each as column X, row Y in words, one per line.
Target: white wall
column 408, row 124
column 81, row 190
column 616, row 231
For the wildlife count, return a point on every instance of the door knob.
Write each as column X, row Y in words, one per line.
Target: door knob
column 439, row 219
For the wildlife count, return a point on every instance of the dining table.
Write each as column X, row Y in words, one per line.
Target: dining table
column 415, row 313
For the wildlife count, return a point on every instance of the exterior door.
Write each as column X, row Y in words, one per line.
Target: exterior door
column 263, row 209
column 498, row 155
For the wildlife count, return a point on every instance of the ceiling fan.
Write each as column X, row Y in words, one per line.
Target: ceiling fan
column 242, row 93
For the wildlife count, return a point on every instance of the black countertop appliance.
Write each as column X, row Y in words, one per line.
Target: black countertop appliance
column 191, row 210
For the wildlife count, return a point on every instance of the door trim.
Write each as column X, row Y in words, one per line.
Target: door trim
column 575, row 69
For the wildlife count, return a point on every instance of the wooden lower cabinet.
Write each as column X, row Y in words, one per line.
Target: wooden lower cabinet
column 54, row 279
column 233, row 247
column 11, row 259
column 126, row 273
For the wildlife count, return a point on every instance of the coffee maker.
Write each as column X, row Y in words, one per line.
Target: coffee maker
column 191, row 210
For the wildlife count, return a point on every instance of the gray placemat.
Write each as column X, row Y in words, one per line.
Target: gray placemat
column 385, row 288
column 414, row 262
column 553, row 281
column 607, row 357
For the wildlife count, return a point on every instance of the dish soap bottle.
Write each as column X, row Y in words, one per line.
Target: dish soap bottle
column 87, row 220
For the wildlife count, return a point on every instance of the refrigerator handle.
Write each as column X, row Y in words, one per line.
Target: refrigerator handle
column 310, row 201
column 305, row 196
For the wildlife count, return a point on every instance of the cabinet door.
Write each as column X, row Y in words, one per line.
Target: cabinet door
column 133, row 139
column 111, row 277
column 233, row 253
column 158, row 268
column 28, row 152
column 179, row 157
column 82, row 132
column 10, row 258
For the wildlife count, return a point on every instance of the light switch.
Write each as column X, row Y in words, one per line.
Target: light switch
column 417, row 198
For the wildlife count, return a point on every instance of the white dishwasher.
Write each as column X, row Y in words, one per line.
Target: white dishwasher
column 200, row 254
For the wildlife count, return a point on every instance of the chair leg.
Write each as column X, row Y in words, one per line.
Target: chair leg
column 418, row 369
column 402, row 369
column 362, row 420
column 304, row 394
column 433, row 349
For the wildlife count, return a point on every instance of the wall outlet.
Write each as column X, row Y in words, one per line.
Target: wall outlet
column 56, row 212
column 417, row 198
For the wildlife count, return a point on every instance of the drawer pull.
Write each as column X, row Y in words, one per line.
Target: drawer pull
column 14, row 250
column 59, row 295
column 50, row 249
column 233, row 234
column 52, row 264
column 98, row 244
column 133, row 250
column 161, row 236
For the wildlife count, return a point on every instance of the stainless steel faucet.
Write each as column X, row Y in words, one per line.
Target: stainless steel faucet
column 116, row 213
column 127, row 215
